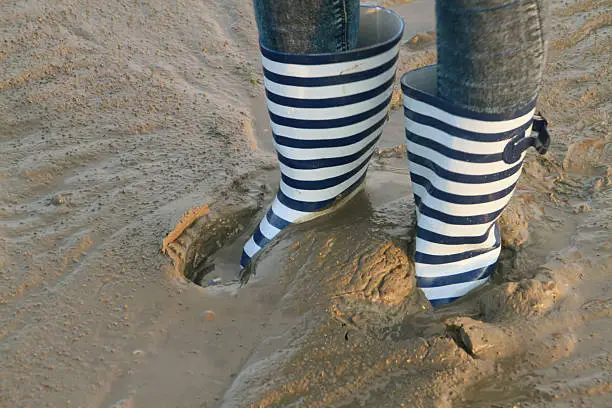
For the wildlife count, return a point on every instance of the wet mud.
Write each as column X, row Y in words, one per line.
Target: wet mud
column 137, row 160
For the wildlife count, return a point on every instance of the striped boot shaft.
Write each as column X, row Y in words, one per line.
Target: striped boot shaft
column 327, row 113
column 464, row 167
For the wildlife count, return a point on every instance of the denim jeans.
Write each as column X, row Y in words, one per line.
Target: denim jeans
column 491, row 53
column 307, row 26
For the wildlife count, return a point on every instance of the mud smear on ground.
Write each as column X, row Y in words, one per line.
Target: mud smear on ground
column 119, row 118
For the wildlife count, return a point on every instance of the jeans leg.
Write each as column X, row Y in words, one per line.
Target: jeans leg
column 307, row 26
column 491, row 53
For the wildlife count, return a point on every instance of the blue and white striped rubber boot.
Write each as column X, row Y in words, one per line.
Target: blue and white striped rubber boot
column 464, row 166
column 327, row 113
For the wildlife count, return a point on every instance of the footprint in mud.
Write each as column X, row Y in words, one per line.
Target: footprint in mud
column 203, row 241
column 198, row 236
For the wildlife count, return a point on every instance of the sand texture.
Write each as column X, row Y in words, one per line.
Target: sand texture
column 135, row 151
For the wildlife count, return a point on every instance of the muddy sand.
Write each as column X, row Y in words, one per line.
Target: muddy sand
column 126, row 127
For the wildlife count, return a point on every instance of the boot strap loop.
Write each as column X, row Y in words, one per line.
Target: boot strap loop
column 539, row 139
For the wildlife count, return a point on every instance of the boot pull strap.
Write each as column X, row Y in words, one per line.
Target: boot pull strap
column 540, row 141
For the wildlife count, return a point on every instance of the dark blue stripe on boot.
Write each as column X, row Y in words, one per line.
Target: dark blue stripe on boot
column 321, row 184
column 329, row 102
column 447, row 106
column 443, row 302
column 276, row 221
column 448, row 240
column 469, row 276
column 329, row 123
column 316, row 205
column 455, row 219
column 456, row 198
column 330, row 162
column 322, row 143
column 453, row 154
column 329, row 80
column 259, row 238
column 244, row 259
column 464, row 134
column 463, row 178
column 442, row 259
